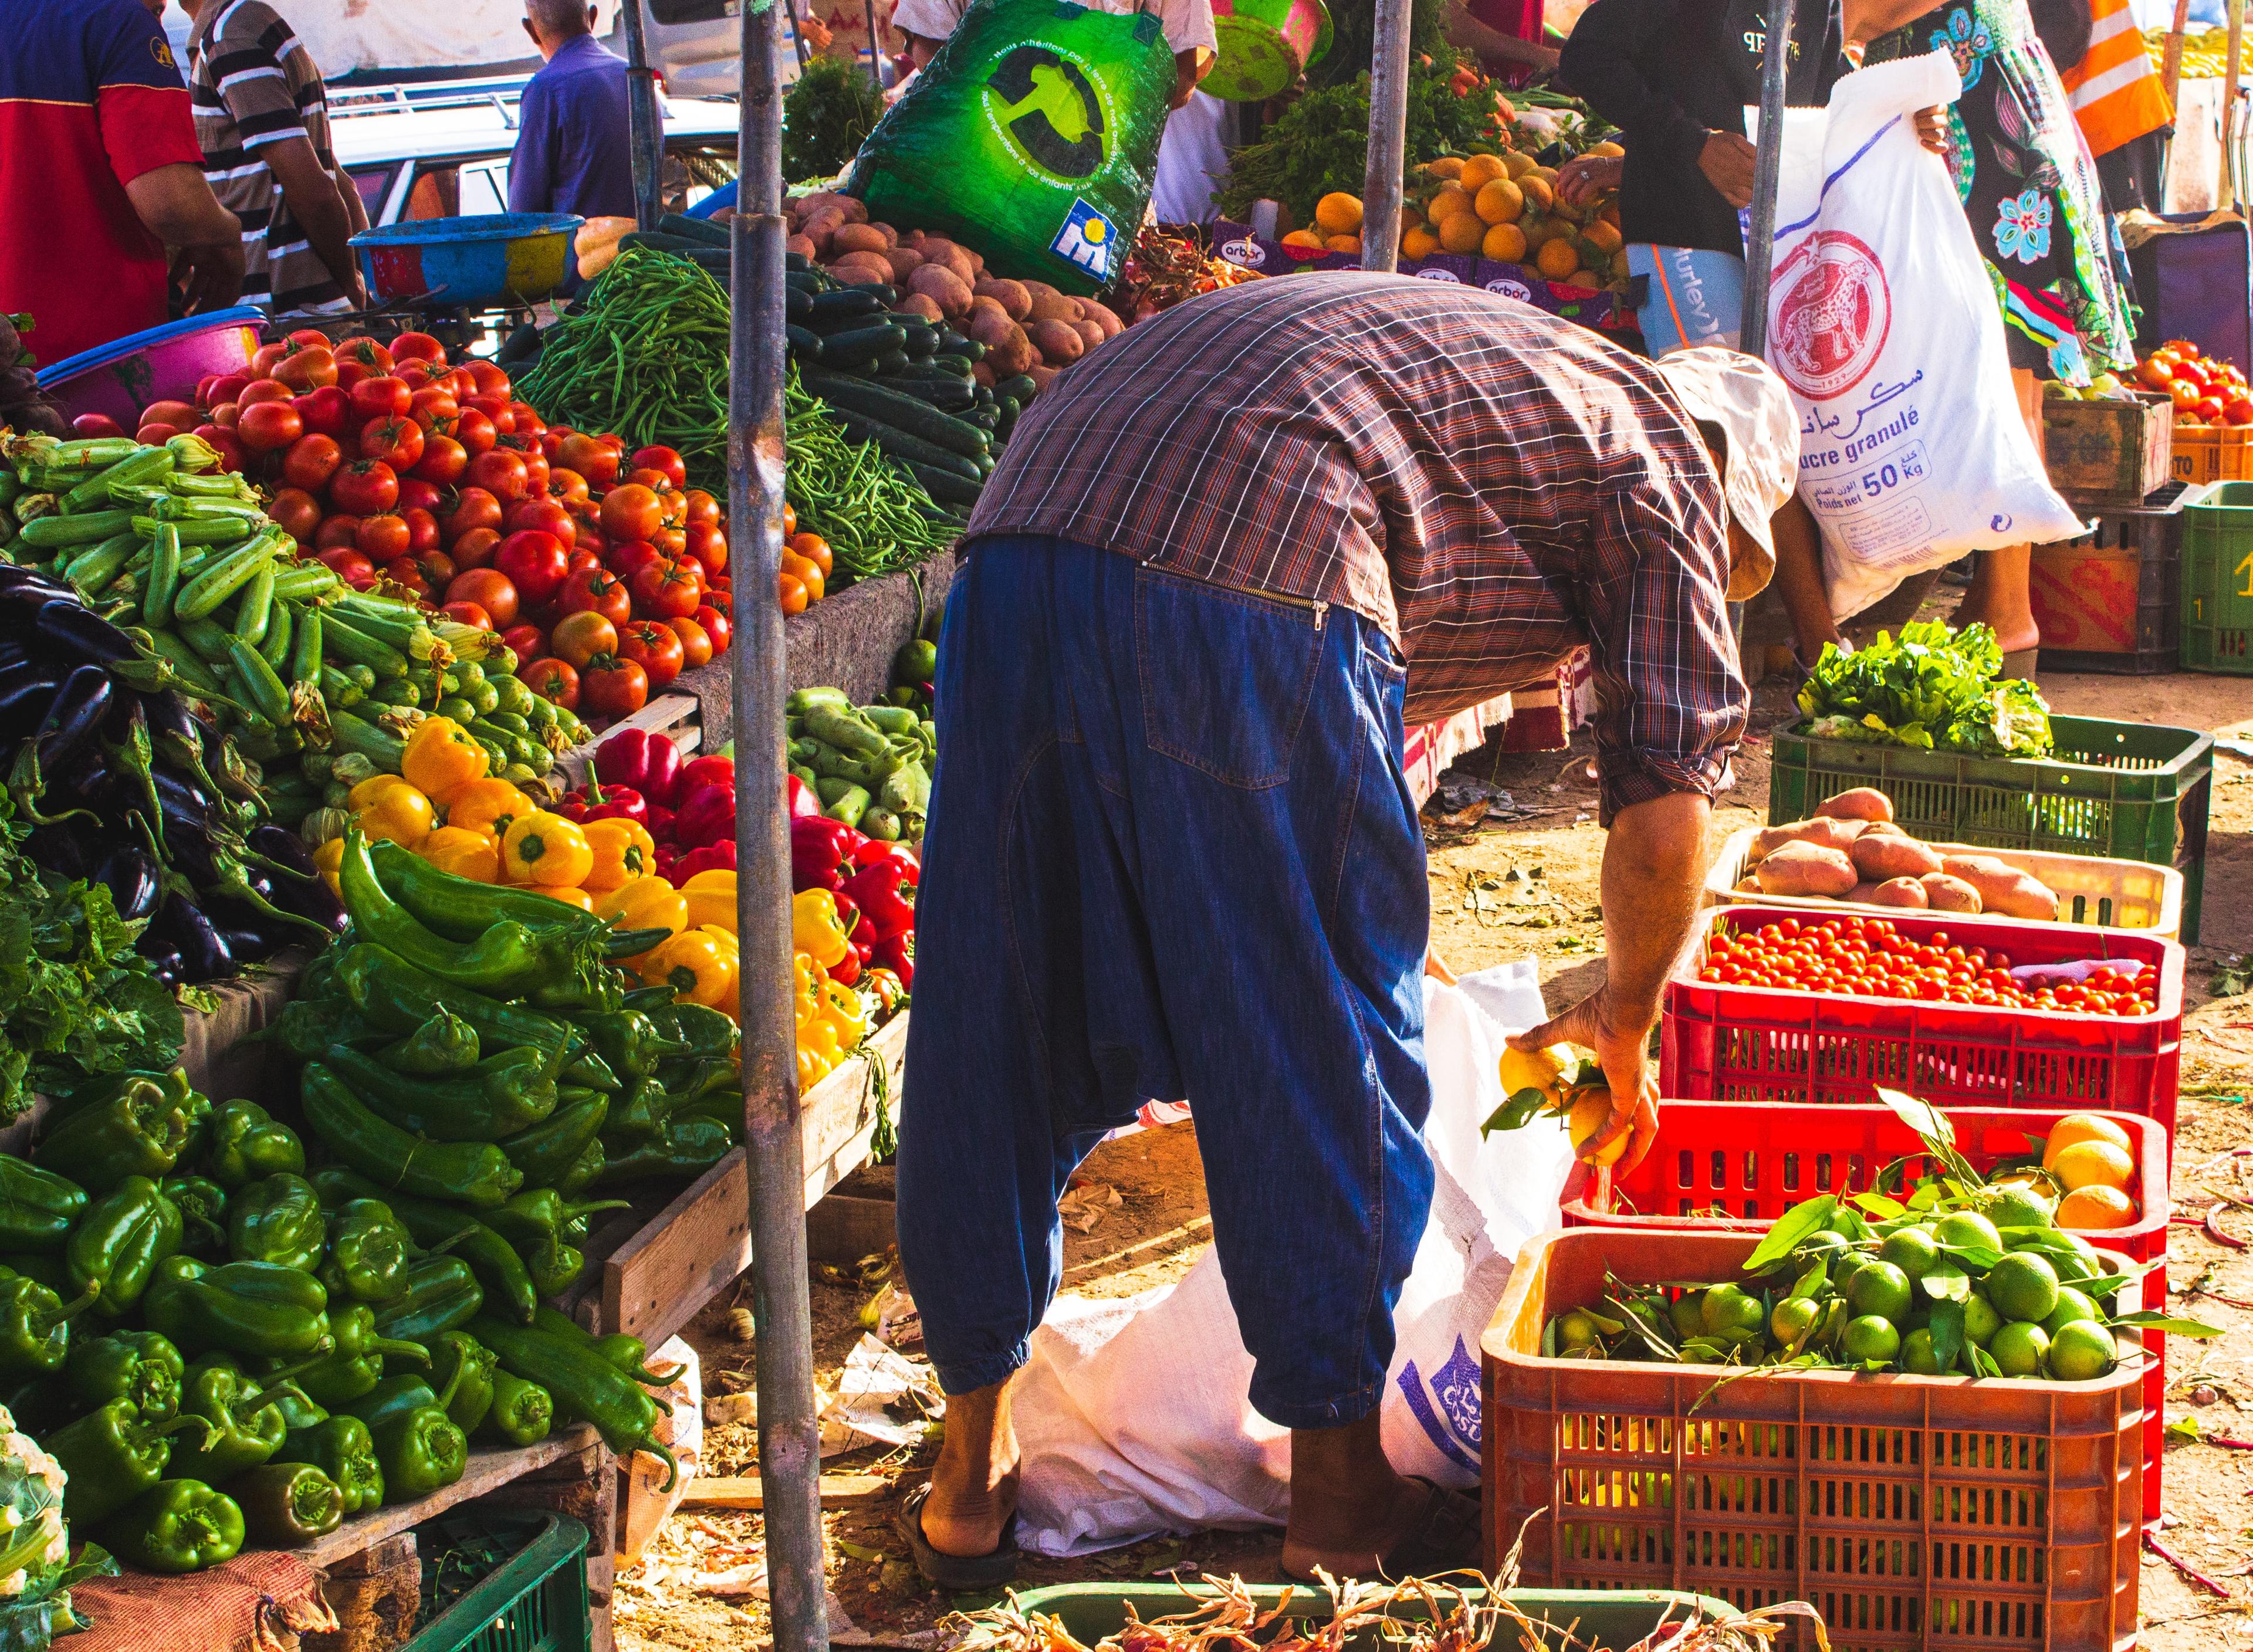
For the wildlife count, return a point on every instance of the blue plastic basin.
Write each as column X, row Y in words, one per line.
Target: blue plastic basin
column 503, row 258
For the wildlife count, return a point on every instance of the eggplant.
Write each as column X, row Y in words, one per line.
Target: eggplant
column 278, row 844
column 62, row 849
column 27, row 692
column 131, row 877
column 70, row 723
column 204, row 954
column 73, row 631
column 247, row 945
column 15, row 576
column 88, row 781
column 165, row 961
column 311, row 899
column 12, row 653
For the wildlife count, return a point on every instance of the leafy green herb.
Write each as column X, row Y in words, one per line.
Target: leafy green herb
column 831, row 109
column 1933, row 688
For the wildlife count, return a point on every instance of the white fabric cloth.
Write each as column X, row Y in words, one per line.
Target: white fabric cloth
column 1187, row 24
column 1133, row 1415
column 1192, row 161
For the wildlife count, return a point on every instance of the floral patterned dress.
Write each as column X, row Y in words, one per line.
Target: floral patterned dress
column 2029, row 187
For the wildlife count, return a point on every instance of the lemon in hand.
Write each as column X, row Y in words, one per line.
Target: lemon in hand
column 1542, row 1070
column 1590, row 1113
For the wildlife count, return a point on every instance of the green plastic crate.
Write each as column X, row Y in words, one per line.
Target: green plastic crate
column 2129, row 791
column 1583, row 1619
column 535, row 1602
column 2217, row 578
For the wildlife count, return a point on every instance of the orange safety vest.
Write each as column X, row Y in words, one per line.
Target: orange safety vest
column 2114, row 91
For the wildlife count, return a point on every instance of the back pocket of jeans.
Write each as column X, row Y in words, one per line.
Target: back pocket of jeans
column 1225, row 676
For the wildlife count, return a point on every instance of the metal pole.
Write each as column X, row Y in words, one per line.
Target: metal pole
column 1760, row 241
column 876, row 46
column 789, row 1438
column 797, row 33
column 2233, row 64
column 1388, row 137
column 644, row 124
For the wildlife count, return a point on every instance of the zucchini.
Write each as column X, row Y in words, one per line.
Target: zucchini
column 90, row 527
column 189, row 665
column 898, row 444
column 858, row 347
column 356, row 647
column 943, row 486
column 904, row 413
column 221, row 579
column 845, row 302
column 807, row 346
column 695, row 229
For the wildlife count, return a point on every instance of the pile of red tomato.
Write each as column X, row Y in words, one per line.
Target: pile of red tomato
column 1870, row 957
column 602, row 569
column 2206, row 391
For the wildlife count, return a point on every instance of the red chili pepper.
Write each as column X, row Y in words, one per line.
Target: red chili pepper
column 887, row 902
column 648, row 763
column 897, row 955
column 616, row 802
column 705, row 815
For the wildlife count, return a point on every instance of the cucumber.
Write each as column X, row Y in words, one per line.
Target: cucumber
column 859, row 347
column 657, row 241
column 903, row 413
column 968, row 349
column 890, row 362
column 695, row 229
column 898, row 444
column 845, row 302
column 952, row 365
column 797, row 263
column 1019, row 389
column 807, row 346
column 922, row 342
column 983, row 418
column 797, row 305
column 943, row 486
column 807, row 281
column 948, row 395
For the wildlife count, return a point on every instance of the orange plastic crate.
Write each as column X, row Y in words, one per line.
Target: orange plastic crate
column 1756, row 1160
column 1912, row 1512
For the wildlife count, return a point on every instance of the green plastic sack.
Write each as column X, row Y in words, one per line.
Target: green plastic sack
column 1031, row 136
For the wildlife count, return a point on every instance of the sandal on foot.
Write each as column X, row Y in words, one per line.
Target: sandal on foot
column 2019, row 665
column 956, row 1572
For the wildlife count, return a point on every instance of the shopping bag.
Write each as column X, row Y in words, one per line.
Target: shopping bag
column 1133, row 1416
column 1883, row 321
column 1031, row 136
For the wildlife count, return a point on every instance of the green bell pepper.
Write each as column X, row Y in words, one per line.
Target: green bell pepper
column 474, row 1172
column 464, row 1366
column 256, row 1309
column 138, row 1367
column 368, row 1252
column 537, row 1216
column 139, row 1131
column 111, row 1455
column 684, row 1149
column 278, row 1220
column 630, row 1041
column 442, row 1295
column 443, row 1045
column 246, row 1426
column 356, row 1365
column 521, row 1412
column 637, row 1118
column 51, row 1271
column 202, row 1205
column 440, row 1227
column 118, row 1243
column 176, row 1526
column 298, row 1409
column 513, row 1092
column 34, row 1329
column 699, row 1029
column 419, row 1447
column 287, row 1505
column 341, row 1448
column 247, row 1146
column 37, row 1207
column 548, row 1148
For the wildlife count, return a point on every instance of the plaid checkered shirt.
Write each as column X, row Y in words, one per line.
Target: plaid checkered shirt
column 1491, row 485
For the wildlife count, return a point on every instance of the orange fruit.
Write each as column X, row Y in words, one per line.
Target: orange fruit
column 1480, row 169
column 1602, row 236
column 1450, row 199
column 2093, row 1164
column 1586, row 278
column 1343, row 243
column 1461, row 231
column 1445, row 166
column 1505, row 244
column 2077, row 1127
column 1499, row 201
column 1557, row 259
column 1516, row 165
column 2092, row 1209
column 1538, row 190
column 1419, row 242
column 1304, row 238
column 1338, row 213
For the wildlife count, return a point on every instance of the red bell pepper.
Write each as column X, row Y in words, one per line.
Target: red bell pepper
column 886, row 899
column 648, row 763
column 709, row 771
column 572, row 805
column 705, row 815
column 803, row 801
column 898, row 856
column 820, row 852
column 659, row 822
column 720, row 856
column 614, row 803
column 897, row 955
column 847, row 970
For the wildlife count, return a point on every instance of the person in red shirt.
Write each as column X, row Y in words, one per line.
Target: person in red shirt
column 98, row 175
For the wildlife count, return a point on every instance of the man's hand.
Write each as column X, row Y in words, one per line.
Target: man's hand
column 1932, row 129
column 211, row 276
column 1585, row 177
column 1620, row 1042
column 1727, row 161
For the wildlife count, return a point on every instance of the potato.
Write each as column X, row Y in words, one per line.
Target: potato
column 1049, row 304
column 1863, row 891
column 1746, row 886
column 913, row 238
column 1058, row 342
column 1104, row 316
column 1946, row 894
column 1010, row 295
column 1863, row 802
column 1835, row 834
column 1807, row 869
column 1900, row 892
column 802, row 245
column 863, row 270
column 2003, row 888
column 920, row 304
column 1090, row 334
column 983, row 373
column 817, row 229
column 936, row 250
column 861, row 238
column 990, row 324
column 1011, row 354
column 1883, row 855
column 903, row 261
column 1040, row 375
column 946, row 289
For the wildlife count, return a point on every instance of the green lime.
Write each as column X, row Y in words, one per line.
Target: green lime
column 2080, row 1351
column 1963, row 1230
column 2018, row 1346
column 1575, row 1331
column 1792, row 1316
column 1842, row 1223
column 1871, row 1337
column 1824, row 1239
column 2071, row 1306
column 1916, row 1354
column 1688, row 1320
column 2018, row 1206
column 1726, row 1309
column 1980, row 1321
column 1912, row 1251
column 2105, row 1285
column 2022, row 1286
column 1880, row 1288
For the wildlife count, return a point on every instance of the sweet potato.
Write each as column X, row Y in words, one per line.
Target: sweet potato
column 1946, row 894
column 903, row 261
column 1863, row 802
column 1806, row 868
column 1057, row 341
column 847, row 210
column 802, row 245
column 1049, row 304
column 862, row 269
column 818, row 228
column 861, row 238
column 1010, row 295
column 2003, row 888
column 920, row 304
column 1104, row 316
column 1823, row 829
column 983, row 373
column 1013, row 354
column 949, row 291
column 1090, row 334
column 912, row 237
column 1890, row 854
column 1900, row 892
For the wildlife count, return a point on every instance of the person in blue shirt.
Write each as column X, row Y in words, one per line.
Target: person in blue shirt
column 573, row 153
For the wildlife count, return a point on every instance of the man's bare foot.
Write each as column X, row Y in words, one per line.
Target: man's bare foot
column 973, row 1485
column 1348, row 1507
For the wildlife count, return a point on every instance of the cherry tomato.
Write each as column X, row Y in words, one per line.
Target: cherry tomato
column 489, row 589
column 365, row 487
column 695, row 642
column 614, row 686
column 716, row 625
column 578, row 637
column 310, row 461
column 473, row 508
column 269, row 426
column 554, row 680
column 297, row 510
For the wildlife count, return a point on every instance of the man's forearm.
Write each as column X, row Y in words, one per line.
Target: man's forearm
column 327, row 223
column 1654, row 871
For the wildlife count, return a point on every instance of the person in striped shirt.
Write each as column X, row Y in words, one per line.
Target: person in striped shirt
column 262, row 118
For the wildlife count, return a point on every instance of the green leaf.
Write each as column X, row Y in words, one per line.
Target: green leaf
column 2184, row 1430
column 1948, row 1339
column 1948, row 1283
column 2150, row 1320
column 1983, row 1362
column 1789, row 1231
column 1978, row 1257
column 1879, row 1206
column 1817, row 1274
column 1516, row 1112
column 1549, row 1338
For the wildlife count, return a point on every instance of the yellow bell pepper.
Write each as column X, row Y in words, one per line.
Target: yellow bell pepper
column 370, row 789
column 822, row 1039
column 811, row 1070
column 441, row 758
column 622, row 850
column 327, row 861
column 400, row 813
column 695, row 966
column 815, row 929
column 566, row 894
column 546, row 849
column 645, row 904
column 464, row 852
column 841, row 1011
column 489, row 806
column 711, row 898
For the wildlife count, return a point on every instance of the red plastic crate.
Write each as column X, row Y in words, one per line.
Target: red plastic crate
column 1758, row 1043
column 1756, row 1160
column 1913, row 1512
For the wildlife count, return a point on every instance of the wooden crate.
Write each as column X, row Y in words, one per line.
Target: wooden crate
column 2213, row 453
column 2108, row 453
column 679, row 1260
column 674, row 715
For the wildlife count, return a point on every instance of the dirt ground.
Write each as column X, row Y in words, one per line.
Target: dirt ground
column 1501, row 890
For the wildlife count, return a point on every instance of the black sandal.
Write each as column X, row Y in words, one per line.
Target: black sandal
column 959, row 1573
